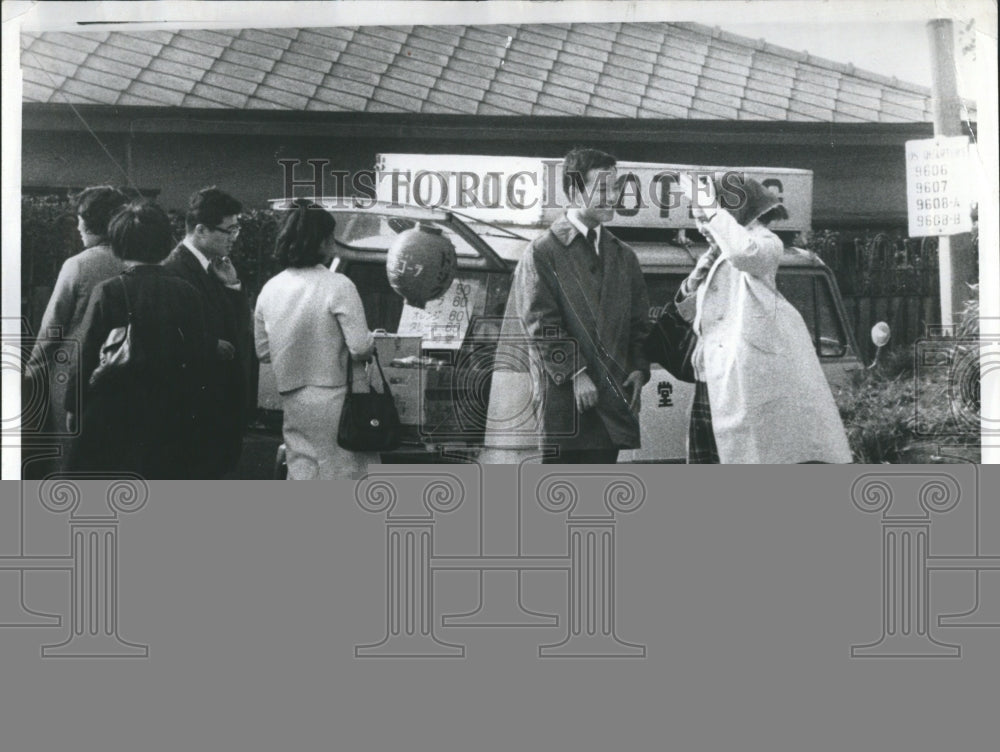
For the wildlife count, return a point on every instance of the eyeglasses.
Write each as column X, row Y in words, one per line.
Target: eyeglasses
column 230, row 231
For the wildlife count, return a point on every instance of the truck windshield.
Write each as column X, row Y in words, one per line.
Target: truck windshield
column 446, row 320
column 368, row 231
column 810, row 293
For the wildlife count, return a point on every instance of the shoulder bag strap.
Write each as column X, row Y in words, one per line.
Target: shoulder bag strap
column 350, row 374
column 128, row 305
column 385, row 383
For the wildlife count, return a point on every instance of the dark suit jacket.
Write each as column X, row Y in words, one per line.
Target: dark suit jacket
column 562, row 292
column 145, row 418
column 227, row 314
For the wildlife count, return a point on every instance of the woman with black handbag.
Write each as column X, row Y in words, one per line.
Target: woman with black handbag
column 309, row 324
column 143, row 356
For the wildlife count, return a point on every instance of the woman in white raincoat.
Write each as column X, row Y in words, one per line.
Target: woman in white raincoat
column 769, row 399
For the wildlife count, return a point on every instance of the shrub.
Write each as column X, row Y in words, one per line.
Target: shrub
column 253, row 251
column 49, row 237
column 878, row 414
column 968, row 320
column 879, row 407
column 880, row 411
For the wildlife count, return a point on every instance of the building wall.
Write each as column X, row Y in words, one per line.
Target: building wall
column 853, row 185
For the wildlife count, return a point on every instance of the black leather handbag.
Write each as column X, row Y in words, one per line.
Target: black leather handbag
column 117, row 354
column 671, row 343
column 369, row 421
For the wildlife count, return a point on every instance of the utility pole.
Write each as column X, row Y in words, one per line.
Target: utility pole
column 956, row 261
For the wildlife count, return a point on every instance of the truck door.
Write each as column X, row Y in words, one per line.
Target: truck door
column 666, row 401
column 810, row 291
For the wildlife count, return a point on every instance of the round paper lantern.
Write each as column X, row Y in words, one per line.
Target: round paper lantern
column 421, row 264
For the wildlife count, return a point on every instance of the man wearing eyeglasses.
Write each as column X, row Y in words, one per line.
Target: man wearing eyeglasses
column 202, row 258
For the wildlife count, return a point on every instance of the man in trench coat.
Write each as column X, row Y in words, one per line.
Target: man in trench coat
column 580, row 296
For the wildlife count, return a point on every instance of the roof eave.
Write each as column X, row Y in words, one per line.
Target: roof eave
column 179, row 120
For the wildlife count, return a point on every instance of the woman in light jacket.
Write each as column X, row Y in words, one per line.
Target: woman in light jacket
column 768, row 400
column 307, row 323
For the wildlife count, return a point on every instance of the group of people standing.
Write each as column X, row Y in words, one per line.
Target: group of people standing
column 760, row 393
column 175, row 405
column 161, row 382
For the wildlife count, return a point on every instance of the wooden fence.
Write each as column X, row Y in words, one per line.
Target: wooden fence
column 883, row 276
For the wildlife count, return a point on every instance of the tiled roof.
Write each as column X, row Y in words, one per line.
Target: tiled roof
column 655, row 70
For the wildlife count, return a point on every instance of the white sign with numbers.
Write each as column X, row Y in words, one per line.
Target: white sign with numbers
column 445, row 320
column 937, row 186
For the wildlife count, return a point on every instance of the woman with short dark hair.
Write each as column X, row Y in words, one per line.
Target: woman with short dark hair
column 308, row 322
column 141, row 233
column 140, row 417
column 303, row 239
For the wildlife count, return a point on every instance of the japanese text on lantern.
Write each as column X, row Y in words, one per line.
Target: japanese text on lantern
column 938, row 186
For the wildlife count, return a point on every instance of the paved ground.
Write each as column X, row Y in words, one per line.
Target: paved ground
column 257, row 460
column 260, row 448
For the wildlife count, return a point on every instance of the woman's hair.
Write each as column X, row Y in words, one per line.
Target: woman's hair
column 141, row 232
column 303, row 233
column 96, row 205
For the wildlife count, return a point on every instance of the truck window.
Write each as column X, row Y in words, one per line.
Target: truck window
column 375, row 232
column 832, row 340
column 474, row 292
column 811, row 295
column 384, row 307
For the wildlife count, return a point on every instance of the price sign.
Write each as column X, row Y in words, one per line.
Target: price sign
column 937, row 186
column 444, row 322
